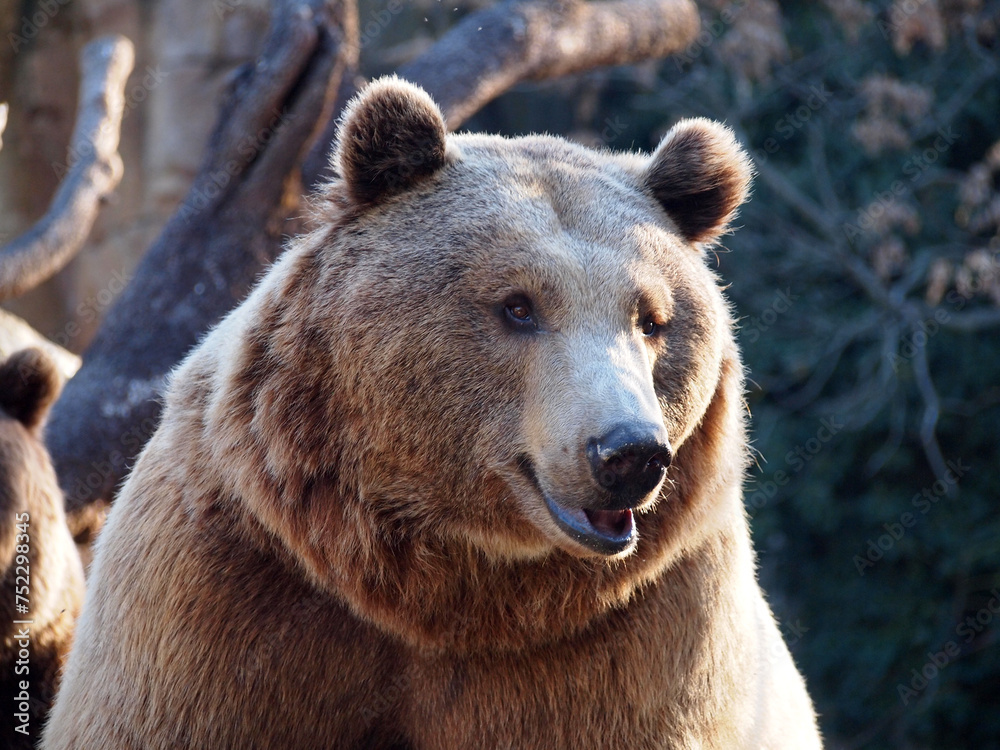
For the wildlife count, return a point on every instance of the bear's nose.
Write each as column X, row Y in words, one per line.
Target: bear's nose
column 628, row 463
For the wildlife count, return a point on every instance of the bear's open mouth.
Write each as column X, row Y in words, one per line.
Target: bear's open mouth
column 608, row 532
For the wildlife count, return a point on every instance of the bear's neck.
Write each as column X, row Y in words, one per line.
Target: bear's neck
column 437, row 596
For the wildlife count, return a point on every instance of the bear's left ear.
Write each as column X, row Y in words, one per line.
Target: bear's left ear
column 700, row 175
column 29, row 384
column 392, row 135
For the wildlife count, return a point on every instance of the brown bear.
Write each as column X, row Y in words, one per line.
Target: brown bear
column 41, row 571
column 464, row 471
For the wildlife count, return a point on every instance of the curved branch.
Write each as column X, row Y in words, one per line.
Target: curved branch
column 514, row 41
column 95, row 170
column 932, row 411
column 491, row 50
column 317, row 169
column 974, row 320
column 209, row 254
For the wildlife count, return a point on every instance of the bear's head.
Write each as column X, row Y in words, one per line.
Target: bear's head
column 29, row 384
column 508, row 354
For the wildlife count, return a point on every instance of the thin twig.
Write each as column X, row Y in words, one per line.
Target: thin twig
column 823, row 370
column 824, row 182
column 932, row 411
column 803, row 204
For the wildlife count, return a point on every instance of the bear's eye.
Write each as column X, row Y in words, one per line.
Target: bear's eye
column 650, row 326
column 518, row 313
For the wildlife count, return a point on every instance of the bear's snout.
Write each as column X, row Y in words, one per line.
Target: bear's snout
column 628, row 463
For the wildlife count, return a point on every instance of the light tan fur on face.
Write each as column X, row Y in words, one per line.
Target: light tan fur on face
column 330, row 541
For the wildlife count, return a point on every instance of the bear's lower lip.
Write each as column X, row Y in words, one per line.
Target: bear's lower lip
column 607, row 532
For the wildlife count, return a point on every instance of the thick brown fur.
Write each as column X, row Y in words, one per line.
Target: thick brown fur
column 33, row 529
column 701, row 177
column 334, row 540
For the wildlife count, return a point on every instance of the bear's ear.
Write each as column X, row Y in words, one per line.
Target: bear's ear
column 700, row 175
column 391, row 136
column 29, row 384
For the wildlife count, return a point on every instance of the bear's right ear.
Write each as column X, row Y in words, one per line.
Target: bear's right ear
column 700, row 175
column 392, row 135
column 29, row 384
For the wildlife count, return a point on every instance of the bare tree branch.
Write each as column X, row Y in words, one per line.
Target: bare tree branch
column 95, row 169
column 495, row 48
column 974, row 320
column 822, row 370
column 316, row 167
column 932, row 411
column 836, row 245
column 229, row 227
